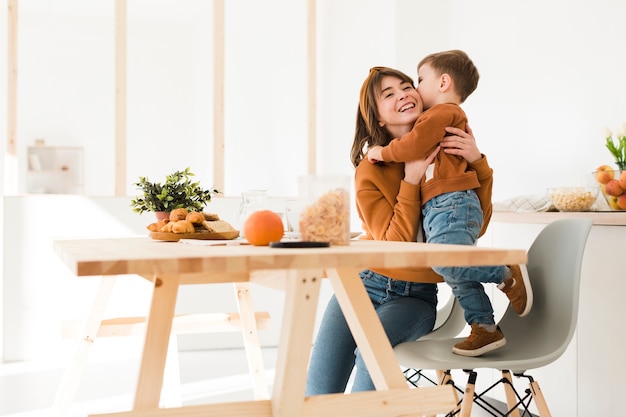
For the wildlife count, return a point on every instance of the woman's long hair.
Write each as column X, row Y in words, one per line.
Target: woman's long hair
column 368, row 131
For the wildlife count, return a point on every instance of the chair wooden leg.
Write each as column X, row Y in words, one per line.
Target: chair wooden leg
column 468, row 395
column 511, row 399
column 443, row 378
column 540, row 401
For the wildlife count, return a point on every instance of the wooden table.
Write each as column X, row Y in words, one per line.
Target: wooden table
column 299, row 271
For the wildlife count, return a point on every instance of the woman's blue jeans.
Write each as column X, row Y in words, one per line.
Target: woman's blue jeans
column 407, row 311
column 456, row 218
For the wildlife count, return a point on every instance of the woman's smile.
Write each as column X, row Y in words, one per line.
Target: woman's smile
column 407, row 107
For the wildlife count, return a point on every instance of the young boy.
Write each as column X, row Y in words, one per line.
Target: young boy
column 450, row 207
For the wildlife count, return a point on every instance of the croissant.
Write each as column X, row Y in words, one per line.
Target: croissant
column 195, row 217
column 183, row 226
column 167, row 227
column 178, row 214
column 156, row 227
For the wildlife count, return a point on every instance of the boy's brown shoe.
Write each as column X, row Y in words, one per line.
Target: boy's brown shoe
column 517, row 288
column 480, row 341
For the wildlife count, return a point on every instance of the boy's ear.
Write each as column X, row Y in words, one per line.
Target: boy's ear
column 445, row 82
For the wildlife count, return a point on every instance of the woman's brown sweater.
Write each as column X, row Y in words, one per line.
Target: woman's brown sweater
column 390, row 208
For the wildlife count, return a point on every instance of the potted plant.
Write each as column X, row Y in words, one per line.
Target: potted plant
column 178, row 191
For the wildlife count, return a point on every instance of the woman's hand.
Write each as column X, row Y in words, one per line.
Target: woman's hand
column 415, row 170
column 461, row 143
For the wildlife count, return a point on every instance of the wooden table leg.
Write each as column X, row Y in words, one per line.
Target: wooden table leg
column 378, row 355
column 294, row 349
column 171, row 393
column 73, row 373
column 366, row 328
column 296, row 338
column 251, row 341
column 158, row 329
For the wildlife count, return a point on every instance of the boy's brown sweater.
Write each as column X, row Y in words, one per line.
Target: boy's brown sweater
column 451, row 172
column 390, row 209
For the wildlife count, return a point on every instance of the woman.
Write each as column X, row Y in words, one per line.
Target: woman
column 388, row 203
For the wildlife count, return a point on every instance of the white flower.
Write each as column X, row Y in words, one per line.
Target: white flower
column 606, row 132
column 617, row 145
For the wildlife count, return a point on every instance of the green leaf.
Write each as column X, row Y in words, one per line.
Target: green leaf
column 617, row 150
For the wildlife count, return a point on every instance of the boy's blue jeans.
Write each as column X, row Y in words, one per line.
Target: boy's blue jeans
column 456, row 218
column 407, row 311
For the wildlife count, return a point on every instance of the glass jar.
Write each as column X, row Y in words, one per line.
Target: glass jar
column 251, row 201
column 324, row 204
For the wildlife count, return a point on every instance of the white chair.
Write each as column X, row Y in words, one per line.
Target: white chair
column 554, row 266
column 449, row 323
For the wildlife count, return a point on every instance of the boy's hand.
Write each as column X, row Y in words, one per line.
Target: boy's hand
column 375, row 154
column 415, row 170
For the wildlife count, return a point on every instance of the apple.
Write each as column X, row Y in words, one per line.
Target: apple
column 621, row 202
column 613, row 188
column 604, row 174
column 613, row 202
column 622, row 179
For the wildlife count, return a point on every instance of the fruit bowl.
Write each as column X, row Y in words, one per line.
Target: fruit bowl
column 612, row 183
column 573, row 198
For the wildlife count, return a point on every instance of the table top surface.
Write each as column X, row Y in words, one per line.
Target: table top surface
column 144, row 256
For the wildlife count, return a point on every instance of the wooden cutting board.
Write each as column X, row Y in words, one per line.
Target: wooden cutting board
column 175, row 237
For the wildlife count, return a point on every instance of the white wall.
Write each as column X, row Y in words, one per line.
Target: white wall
column 66, row 87
column 551, row 78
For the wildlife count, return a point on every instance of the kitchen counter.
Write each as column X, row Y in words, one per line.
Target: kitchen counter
column 600, row 218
